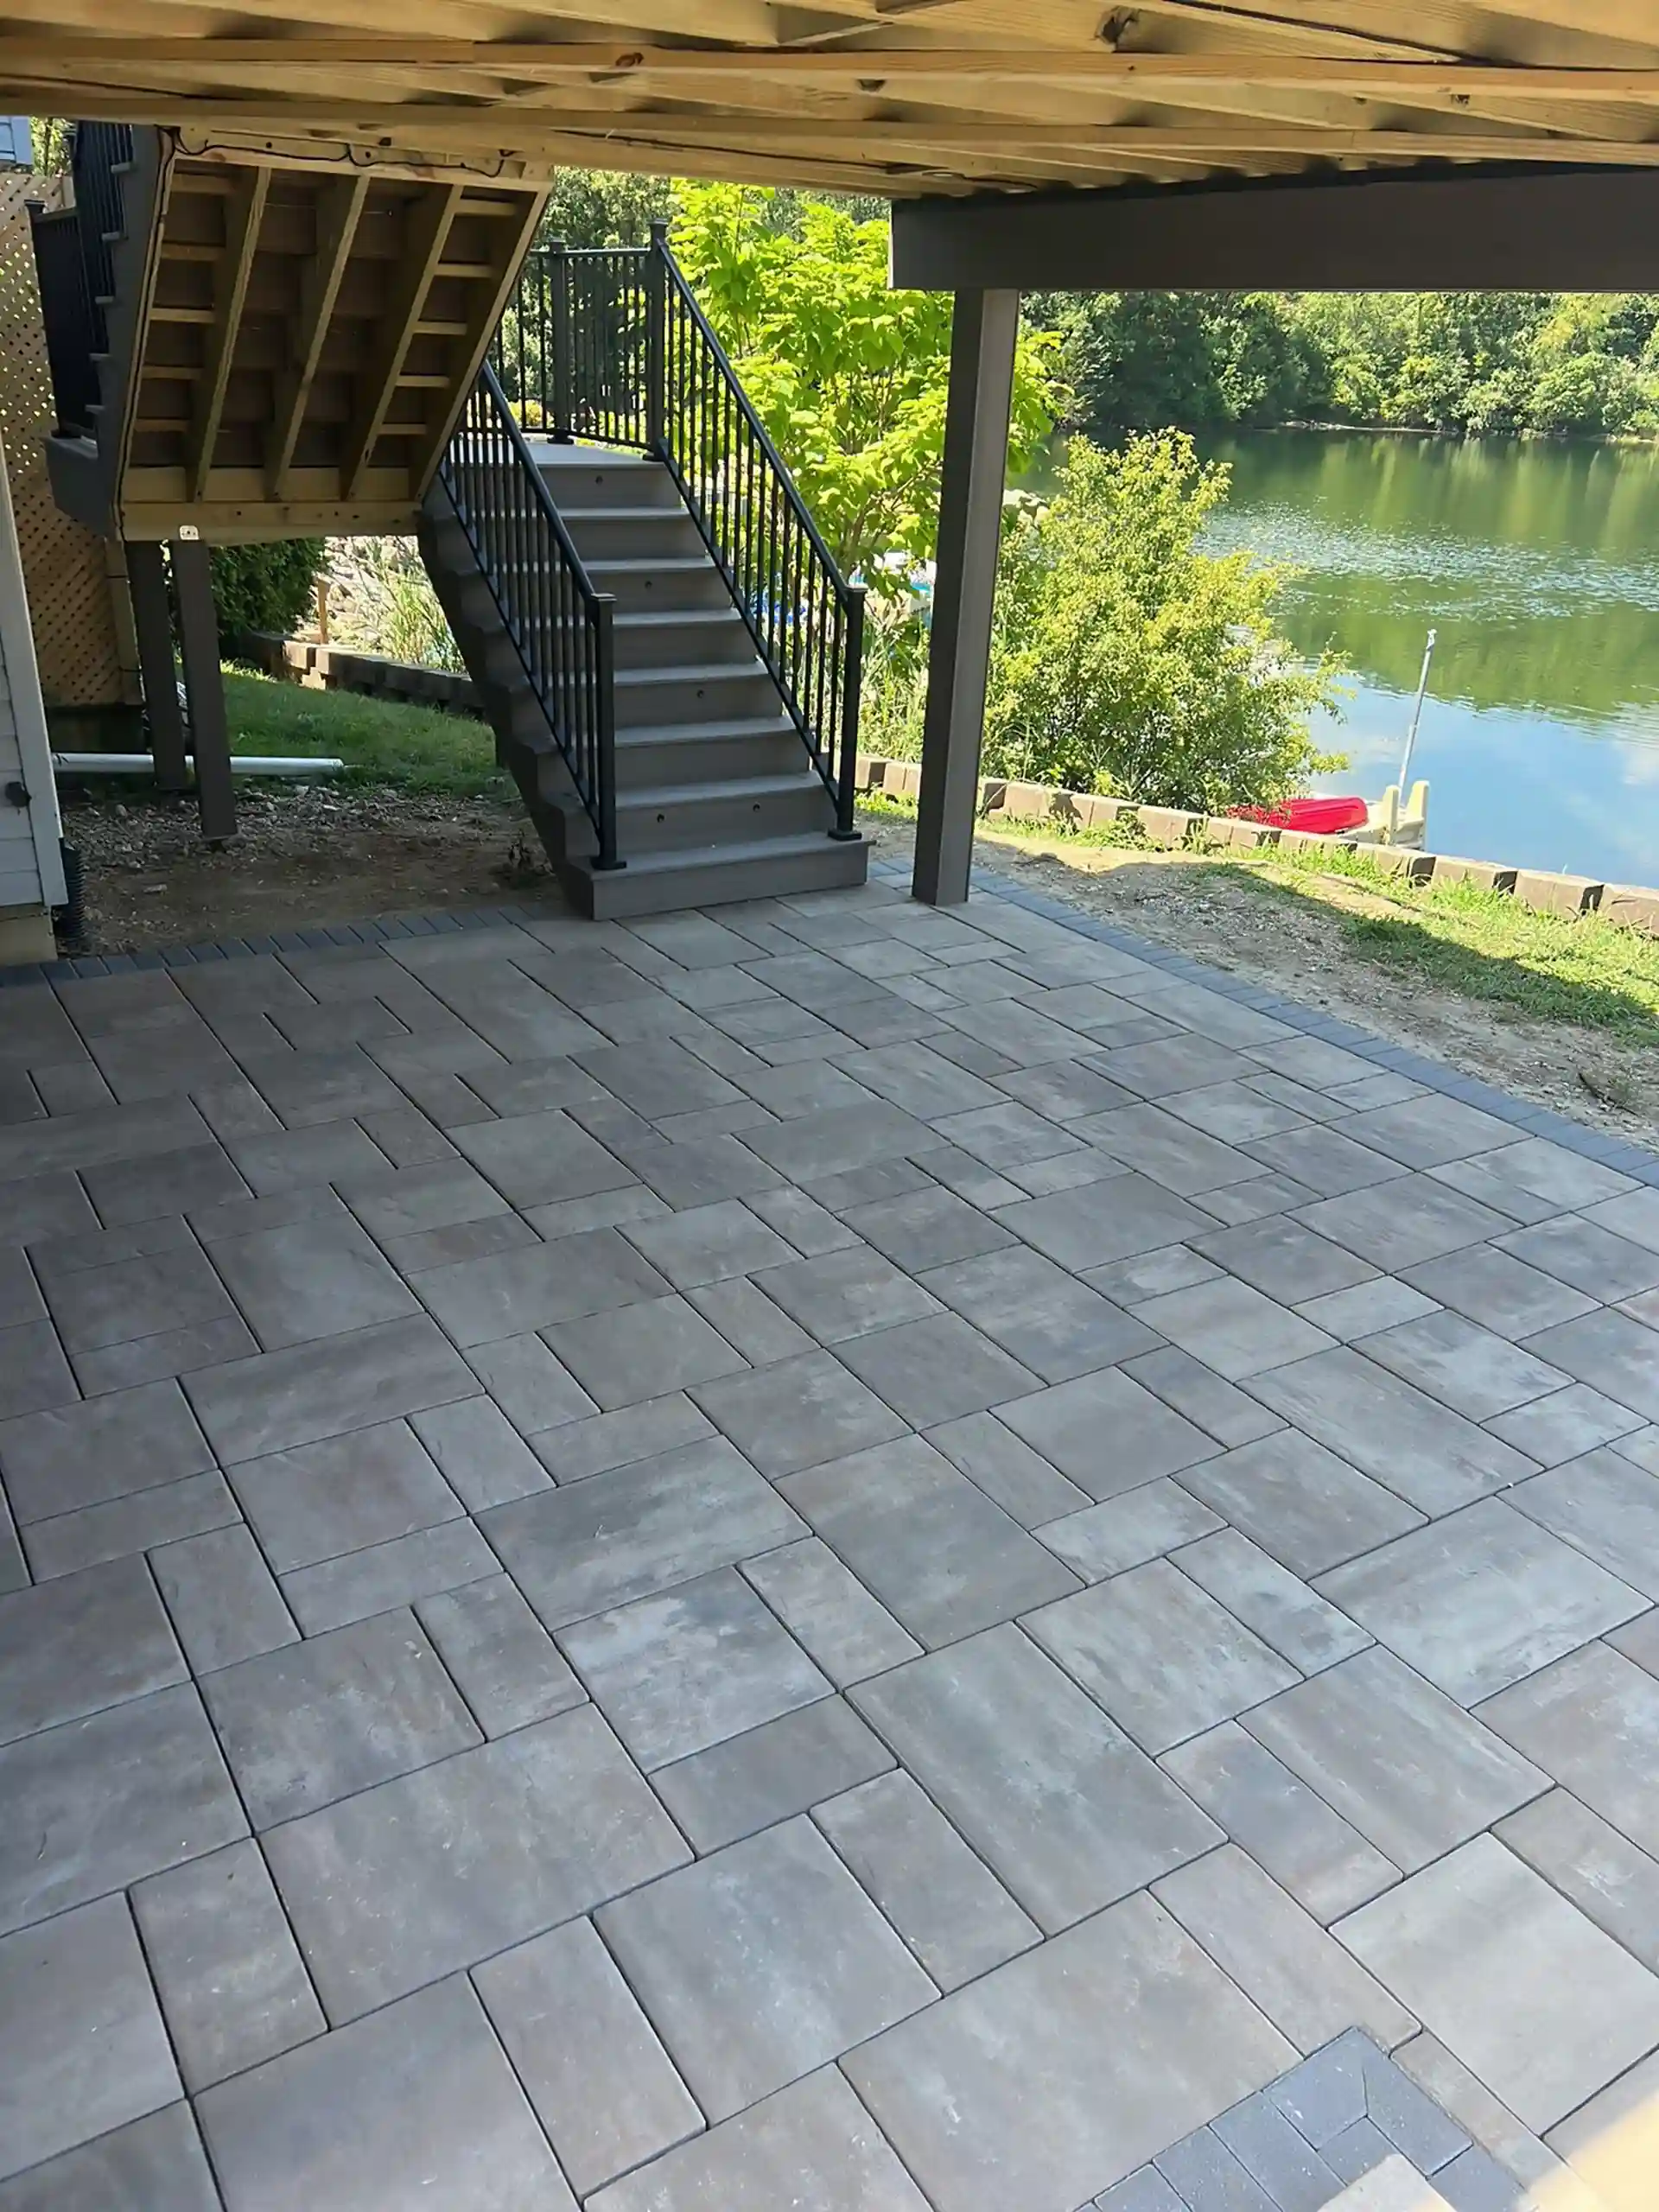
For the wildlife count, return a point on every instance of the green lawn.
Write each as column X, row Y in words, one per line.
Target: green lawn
column 1481, row 944
column 381, row 740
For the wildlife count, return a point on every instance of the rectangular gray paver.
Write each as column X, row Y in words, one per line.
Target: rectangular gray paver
column 80, row 1644
column 1233, row 1328
column 1124, row 1531
column 594, row 1273
column 156, row 2160
column 577, row 1449
column 499, row 1657
column 931, row 1547
column 95, row 1308
column 1476, row 1945
column 643, row 1351
column 1587, row 1254
column 343, row 1494
column 232, row 1984
column 533, row 1158
column 1591, row 1722
column 1297, row 1622
column 783, row 1767
column 1051, row 1323
column 162, row 1514
column 1564, row 1426
column 1091, row 1818
column 1160, row 1654
column 479, row 1453
column 1432, row 1458
column 418, row 2102
column 1102, row 1222
column 1466, row 1367
column 1412, row 1770
column 1478, row 1600
column 373, row 1581
column 1308, row 1849
column 82, row 2047
column 639, row 1528
column 310, row 1280
column 1394, row 1224
column 948, row 1906
column 825, row 1607
column 131, row 1791
column 318, row 1720
column 1306, row 1508
column 281, row 1399
column 401, row 1885
column 676, row 1672
column 1305, row 1981
column 1610, row 1350
column 1499, row 1291
column 1107, row 1433
column 761, row 1963
column 1064, row 2069
column 1610, row 1880
column 798, row 1413
column 1025, row 1485
column 79, row 1455
column 601, row 2084
column 811, row 2146
column 528, row 1384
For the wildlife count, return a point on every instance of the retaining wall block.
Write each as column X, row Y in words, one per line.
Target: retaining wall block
column 1402, row 860
column 902, row 779
column 1631, row 906
column 1309, row 840
column 1557, row 895
column 1096, row 811
column 1485, row 875
column 1168, row 825
column 1238, row 835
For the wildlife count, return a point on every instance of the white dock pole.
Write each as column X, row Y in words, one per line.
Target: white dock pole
column 1417, row 710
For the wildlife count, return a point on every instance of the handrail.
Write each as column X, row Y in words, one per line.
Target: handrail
column 66, row 312
column 101, row 148
column 610, row 344
column 560, row 625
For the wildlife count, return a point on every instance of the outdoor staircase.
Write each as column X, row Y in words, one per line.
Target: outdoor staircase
column 665, row 647
column 716, row 797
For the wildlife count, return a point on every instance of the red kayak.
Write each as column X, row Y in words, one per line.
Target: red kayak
column 1325, row 817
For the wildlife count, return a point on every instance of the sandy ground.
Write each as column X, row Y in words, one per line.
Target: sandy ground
column 1177, row 901
column 315, row 853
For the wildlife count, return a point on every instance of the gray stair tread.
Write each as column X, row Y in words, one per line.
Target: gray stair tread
column 692, row 734
column 724, row 671
column 677, row 564
column 723, row 787
column 574, row 511
column 669, row 617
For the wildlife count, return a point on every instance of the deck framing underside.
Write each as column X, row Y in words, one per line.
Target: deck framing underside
column 898, row 97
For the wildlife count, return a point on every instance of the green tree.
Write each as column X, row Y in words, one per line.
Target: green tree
column 848, row 377
column 1125, row 660
column 267, row 587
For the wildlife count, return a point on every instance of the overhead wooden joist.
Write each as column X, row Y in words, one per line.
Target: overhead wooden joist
column 910, row 98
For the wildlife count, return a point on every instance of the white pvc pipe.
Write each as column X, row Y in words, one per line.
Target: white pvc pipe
column 141, row 763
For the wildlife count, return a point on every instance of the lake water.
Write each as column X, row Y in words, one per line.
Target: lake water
column 1539, row 566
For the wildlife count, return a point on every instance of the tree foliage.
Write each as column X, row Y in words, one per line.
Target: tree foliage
column 1458, row 361
column 1123, row 658
column 267, row 587
column 848, row 377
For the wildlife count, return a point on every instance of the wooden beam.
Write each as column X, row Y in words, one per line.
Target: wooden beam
column 339, row 208
column 429, row 223
column 475, row 343
column 1566, row 229
column 243, row 215
column 1359, row 78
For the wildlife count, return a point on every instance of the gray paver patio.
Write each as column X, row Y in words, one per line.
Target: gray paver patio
column 821, row 1554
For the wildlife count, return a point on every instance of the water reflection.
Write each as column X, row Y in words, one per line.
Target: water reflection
column 1539, row 565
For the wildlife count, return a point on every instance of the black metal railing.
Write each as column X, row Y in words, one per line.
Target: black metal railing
column 559, row 625
column 101, row 150
column 74, row 262
column 67, row 311
column 612, row 345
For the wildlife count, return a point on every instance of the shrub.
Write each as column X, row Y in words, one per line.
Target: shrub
column 269, row 587
column 1123, row 659
column 381, row 601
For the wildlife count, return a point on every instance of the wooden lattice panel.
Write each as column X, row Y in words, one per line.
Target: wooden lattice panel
column 71, row 599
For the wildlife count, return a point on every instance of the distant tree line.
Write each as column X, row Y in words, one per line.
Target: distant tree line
column 1503, row 362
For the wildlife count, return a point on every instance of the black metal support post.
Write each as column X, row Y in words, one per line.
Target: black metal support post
column 153, row 621
column 605, row 717
column 656, row 332
column 557, row 266
column 204, row 685
column 982, row 337
column 852, row 680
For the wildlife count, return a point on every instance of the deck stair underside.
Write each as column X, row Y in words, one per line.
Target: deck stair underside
column 716, row 796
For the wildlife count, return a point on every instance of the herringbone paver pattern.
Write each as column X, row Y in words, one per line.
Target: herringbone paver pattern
column 827, row 1555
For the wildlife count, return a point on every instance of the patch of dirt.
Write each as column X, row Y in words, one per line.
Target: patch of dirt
column 303, row 854
column 1179, row 901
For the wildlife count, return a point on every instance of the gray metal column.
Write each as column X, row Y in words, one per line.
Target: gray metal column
column 147, row 581
column 982, row 337
column 204, row 686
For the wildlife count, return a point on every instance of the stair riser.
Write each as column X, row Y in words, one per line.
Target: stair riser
column 681, row 645
column 721, row 821
column 738, row 697
column 649, row 766
column 648, row 537
column 665, row 592
column 575, row 485
column 621, row 894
